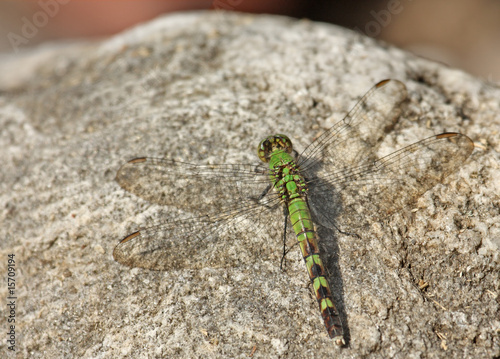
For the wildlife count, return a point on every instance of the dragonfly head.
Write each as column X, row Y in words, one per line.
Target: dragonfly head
column 272, row 144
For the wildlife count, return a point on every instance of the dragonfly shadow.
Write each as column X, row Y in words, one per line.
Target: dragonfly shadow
column 325, row 202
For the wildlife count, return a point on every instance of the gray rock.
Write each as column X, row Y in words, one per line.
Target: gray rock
column 207, row 87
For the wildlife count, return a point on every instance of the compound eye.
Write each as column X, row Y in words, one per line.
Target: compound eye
column 272, row 144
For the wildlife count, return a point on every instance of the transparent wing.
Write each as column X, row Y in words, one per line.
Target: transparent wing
column 350, row 186
column 227, row 200
column 205, row 189
column 373, row 190
column 356, row 138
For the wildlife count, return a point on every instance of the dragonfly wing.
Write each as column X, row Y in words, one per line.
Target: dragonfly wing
column 373, row 190
column 221, row 240
column 204, row 189
column 358, row 135
column 228, row 201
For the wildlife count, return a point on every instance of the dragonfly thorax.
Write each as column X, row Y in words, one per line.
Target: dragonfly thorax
column 288, row 181
column 273, row 145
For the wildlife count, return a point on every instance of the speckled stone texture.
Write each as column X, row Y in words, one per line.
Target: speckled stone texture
column 207, row 87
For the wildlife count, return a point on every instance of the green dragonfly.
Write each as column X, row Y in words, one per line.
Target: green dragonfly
column 337, row 182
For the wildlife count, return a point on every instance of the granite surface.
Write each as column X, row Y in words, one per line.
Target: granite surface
column 207, row 87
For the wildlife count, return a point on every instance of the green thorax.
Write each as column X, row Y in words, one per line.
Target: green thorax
column 284, row 173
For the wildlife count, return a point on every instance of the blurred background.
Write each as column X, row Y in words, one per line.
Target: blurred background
column 460, row 33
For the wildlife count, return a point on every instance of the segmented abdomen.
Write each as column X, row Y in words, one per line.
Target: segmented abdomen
column 304, row 229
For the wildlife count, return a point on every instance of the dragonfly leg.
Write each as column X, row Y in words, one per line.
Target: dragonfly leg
column 285, row 250
column 346, row 233
column 265, row 191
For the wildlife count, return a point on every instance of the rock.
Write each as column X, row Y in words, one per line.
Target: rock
column 206, row 88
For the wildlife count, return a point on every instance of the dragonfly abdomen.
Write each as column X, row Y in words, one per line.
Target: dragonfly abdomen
column 303, row 227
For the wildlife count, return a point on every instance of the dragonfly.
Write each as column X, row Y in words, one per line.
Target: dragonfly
column 338, row 182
